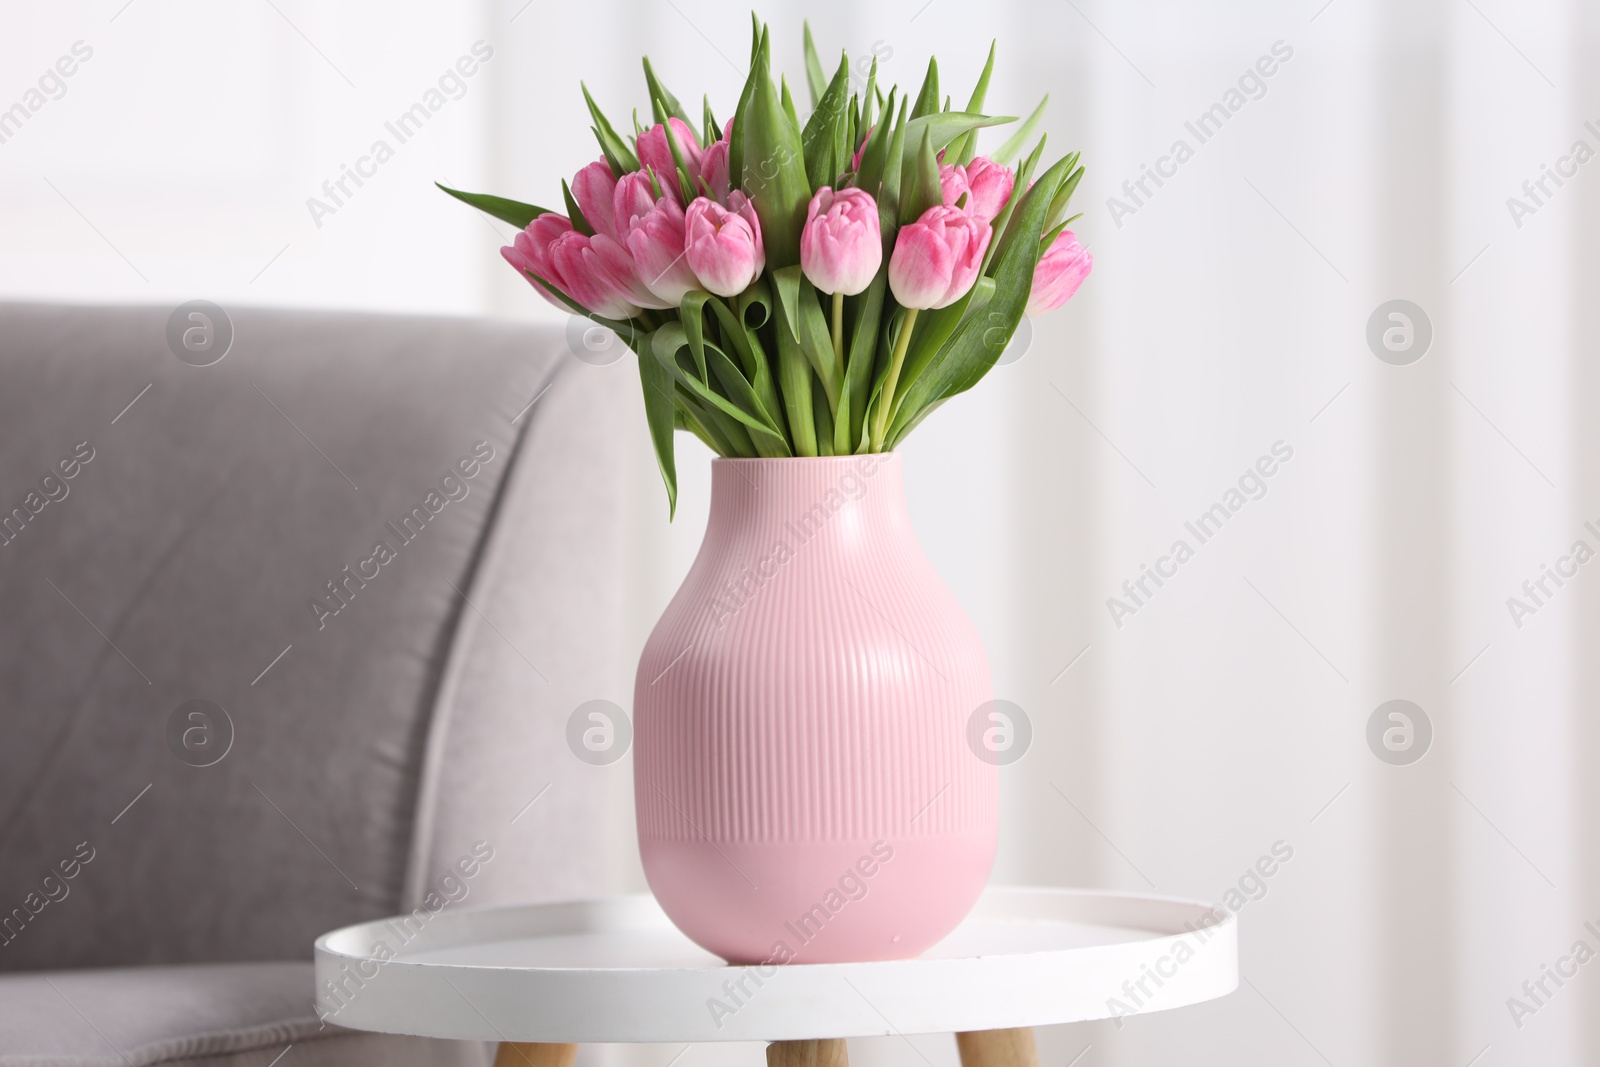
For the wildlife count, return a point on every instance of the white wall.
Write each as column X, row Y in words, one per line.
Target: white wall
column 1226, row 314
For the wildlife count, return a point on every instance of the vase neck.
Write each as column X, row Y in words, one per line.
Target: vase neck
column 806, row 497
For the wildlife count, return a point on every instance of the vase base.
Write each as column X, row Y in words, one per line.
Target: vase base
column 818, row 901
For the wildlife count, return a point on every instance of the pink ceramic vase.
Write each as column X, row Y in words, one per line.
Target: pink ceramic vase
column 804, row 785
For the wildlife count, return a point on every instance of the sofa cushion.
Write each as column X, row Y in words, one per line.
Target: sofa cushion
column 224, row 1015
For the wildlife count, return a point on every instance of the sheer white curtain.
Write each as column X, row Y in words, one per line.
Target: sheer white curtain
column 1188, row 734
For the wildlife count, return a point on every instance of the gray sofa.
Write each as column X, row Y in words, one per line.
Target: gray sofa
column 164, row 867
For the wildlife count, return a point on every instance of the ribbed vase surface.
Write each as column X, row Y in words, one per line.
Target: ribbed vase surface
column 804, row 784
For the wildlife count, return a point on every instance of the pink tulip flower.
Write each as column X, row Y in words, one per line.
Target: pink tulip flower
column 991, row 186
column 1062, row 268
column 841, row 247
column 745, row 208
column 654, row 238
column 656, row 153
column 656, row 242
column 594, row 188
column 598, row 273
column 952, row 183
column 714, row 172
column 531, row 252
column 986, row 184
column 634, row 198
column 937, row 258
column 723, row 245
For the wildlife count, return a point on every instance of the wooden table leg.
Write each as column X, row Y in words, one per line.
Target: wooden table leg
column 827, row 1052
column 998, row 1048
column 517, row 1054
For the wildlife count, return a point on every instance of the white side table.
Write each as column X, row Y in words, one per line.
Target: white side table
column 542, row 978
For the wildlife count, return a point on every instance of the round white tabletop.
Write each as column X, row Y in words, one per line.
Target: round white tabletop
column 617, row 970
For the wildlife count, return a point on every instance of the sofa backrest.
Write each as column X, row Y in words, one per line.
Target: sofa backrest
column 289, row 638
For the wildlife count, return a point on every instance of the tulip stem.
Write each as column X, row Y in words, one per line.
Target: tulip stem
column 838, row 331
column 886, row 398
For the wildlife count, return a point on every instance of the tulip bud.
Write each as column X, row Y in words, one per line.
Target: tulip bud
column 530, row 251
column 656, row 154
column 841, row 247
column 723, row 245
column 986, row 184
column 656, row 242
column 633, row 199
column 1062, row 268
column 991, row 186
column 714, row 172
column 594, row 188
column 745, row 208
column 953, row 186
column 597, row 273
column 937, row 258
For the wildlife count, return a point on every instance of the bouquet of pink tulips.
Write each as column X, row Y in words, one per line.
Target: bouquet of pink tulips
column 809, row 288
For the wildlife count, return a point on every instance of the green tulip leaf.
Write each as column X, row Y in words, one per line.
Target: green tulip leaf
column 765, row 433
column 860, row 357
column 668, row 345
column 512, row 211
column 710, row 130
column 661, row 93
column 945, row 126
column 934, row 329
column 868, row 98
column 876, row 155
column 1063, row 201
column 713, row 427
column 686, row 184
column 772, row 164
column 965, row 147
column 684, row 420
column 746, row 343
column 824, row 431
column 816, row 341
column 691, row 316
column 923, row 189
column 788, row 101
column 889, row 188
column 659, row 415
column 1019, row 140
column 794, row 382
column 786, row 280
column 758, row 300
column 616, row 150
column 816, row 81
column 827, row 131
column 579, row 223
column 928, row 99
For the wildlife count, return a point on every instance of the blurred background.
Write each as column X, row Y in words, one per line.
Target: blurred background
column 1239, row 308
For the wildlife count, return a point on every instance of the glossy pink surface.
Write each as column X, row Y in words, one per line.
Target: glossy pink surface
column 804, row 785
